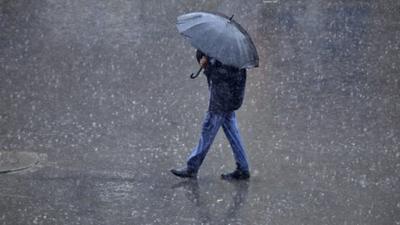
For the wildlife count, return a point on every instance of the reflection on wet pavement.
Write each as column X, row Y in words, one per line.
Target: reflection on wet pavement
column 194, row 194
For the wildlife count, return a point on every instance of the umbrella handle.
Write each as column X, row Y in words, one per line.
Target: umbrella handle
column 193, row 76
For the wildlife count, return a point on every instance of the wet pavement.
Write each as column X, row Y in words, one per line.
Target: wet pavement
column 99, row 90
column 12, row 161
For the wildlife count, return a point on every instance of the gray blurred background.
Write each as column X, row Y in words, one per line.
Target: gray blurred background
column 100, row 90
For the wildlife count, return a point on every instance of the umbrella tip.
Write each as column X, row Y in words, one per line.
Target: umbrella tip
column 230, row 19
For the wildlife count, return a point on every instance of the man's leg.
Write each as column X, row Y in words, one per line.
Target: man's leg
column 211, row 125
column 231, row 131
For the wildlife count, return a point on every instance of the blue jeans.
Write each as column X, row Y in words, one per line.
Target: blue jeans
column 211, row 124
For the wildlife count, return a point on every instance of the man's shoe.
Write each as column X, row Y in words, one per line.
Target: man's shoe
column 236, row 175
column 184, row 173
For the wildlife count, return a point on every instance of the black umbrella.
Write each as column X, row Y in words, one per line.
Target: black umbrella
column 220, row 37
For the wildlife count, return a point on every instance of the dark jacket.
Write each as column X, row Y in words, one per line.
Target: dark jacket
column 226, row 84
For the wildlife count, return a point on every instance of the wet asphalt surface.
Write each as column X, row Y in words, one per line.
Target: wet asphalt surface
column 99, row 90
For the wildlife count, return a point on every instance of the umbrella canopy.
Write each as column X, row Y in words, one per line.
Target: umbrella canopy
column 220, row 37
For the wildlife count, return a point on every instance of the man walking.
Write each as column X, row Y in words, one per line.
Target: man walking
column 227, row 86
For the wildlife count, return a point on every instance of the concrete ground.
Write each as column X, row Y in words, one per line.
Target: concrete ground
column 99, row 91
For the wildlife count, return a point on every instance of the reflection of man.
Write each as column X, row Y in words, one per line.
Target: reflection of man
column 192, row 192
column 239, row 197
column 227, row 86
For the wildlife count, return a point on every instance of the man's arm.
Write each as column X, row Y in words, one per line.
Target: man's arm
column 199, row 55
column 201, row 59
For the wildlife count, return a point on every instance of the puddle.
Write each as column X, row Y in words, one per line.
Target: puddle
column 16, row 161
